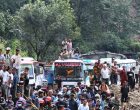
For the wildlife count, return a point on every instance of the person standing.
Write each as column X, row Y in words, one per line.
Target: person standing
column 64, row 44
column 139, row 81
column 15, row 59
column 105, row 74
column 137, row 67
column 124, row 92
column 123, row 75
column 2, row 101
column 97, row 71
column 10, row 80
column 72, row 103
column 14, row 83
column 84, row 106
column 8, row 56
column 114, row 74
column 87, row 80
column 2, row 58
column 131, row 79
column 69, row 45
column 58, row 81
column 26, row 81
column 5, row 76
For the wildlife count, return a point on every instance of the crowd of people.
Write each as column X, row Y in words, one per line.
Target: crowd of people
column 95, row 94
column 111, row 74
column 11, row 85
column 68, row 51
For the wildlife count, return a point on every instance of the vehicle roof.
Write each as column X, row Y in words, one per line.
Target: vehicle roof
column 69, row 60
column 108, row 60
column 89, row 61
column 125, row 61
column 27, row 60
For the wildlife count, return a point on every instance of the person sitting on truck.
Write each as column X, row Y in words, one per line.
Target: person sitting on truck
column 64, row 54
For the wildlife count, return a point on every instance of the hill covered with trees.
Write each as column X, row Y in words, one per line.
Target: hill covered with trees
column 38, row 26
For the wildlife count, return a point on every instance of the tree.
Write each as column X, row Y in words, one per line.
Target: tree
column 97, row 17
column 110, row 42
column 11, row 5
column 42, row 25
column 6, row 25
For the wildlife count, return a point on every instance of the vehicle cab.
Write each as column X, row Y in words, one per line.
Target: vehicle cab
column 71, row 71
column 36, row 69
column 28, row 62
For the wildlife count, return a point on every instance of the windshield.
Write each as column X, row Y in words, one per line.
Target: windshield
column 23, row 66
column 69, row 72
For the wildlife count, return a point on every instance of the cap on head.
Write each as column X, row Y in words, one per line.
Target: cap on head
column 8, row 48
column 17, row 49
column 40, row 91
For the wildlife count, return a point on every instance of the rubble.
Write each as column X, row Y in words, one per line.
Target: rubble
column 134, row 97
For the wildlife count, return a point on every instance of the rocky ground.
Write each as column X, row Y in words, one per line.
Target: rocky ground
column 134, row 96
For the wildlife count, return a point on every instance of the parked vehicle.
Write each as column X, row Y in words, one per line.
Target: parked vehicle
column 36, row 70
column 71, row 71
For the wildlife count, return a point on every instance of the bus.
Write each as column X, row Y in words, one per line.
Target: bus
column 128, row 63
column 71, row 71
column 89, row 63
column 102, row 54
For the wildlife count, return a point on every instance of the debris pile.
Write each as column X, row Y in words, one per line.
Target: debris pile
column 134, row 97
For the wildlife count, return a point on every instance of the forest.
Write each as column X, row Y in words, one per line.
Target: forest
column 38, row 27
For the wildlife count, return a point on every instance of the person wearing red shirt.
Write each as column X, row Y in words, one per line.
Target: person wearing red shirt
column 123, row 75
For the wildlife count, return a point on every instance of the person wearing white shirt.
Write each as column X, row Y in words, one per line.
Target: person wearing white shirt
column 1, row 70
column 15, row 59
column 105, row 74
column 10, row 80
column 39, row 80
column 7, row 56
column 87, row 80
column 5, row 76
column 84, row 106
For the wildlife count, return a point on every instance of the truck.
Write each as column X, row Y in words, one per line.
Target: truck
column 36, row 70
column 71, row 71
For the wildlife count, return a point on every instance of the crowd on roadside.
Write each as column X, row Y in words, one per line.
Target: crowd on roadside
column 111, row 74
column 11, row 84
column 95, row 94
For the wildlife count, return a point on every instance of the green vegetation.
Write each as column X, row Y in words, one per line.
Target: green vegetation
column 38, row 26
